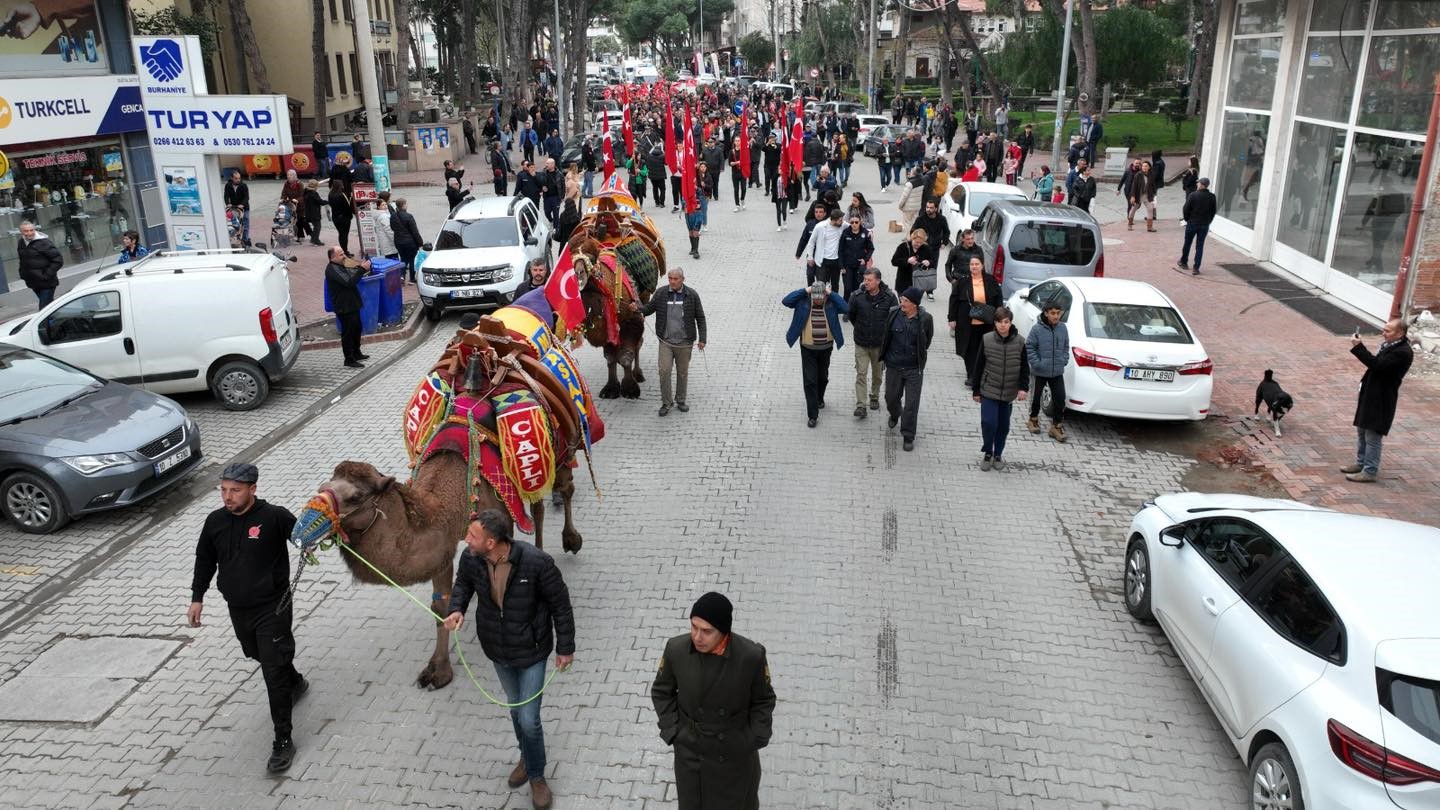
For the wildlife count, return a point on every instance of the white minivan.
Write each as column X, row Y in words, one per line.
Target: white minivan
column 176, row 321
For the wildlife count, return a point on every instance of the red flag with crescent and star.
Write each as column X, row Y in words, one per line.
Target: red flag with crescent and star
column 563, row 291
column 745, row 139
column 796, row 146
column 625, row 120
column 667, row 121
column 687, row 164
column 607, row 148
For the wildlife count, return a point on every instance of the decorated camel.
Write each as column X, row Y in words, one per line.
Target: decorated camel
column 497, row 423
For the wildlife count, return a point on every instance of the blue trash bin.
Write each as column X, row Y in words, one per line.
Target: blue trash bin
column 392, row 291
column 371, row 288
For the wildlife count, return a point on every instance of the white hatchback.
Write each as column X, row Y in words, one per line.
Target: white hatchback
column 1132, row 354
column 1313, row 636
column 963, row 202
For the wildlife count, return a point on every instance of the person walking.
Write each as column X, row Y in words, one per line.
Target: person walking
column 522, row 613
column 1084, row 189
column 1002, row 375
column 245, row 541
column 816, row 325
column 499, row 168
column 1045, row 185
column 237, row 196
column 1198, row 212
column 655, row 168
column 39, row 261
column 1140, row 195
column 407, row 236
column 467, row 128
column 771, row 162
column 936, row 227
column 914, row 254
column 342, row 284
column 812, row 154
column 680, row 326
column 320, row 149
column 310, row 212
column 857, row 252
column 957, row 264
column 784, row 188
column 536, row 274
column 974, row 299
column 869, row 308
column 1379, row 396
column 695, row 222
column 904, row 346
column 342, row 213
column 822, row 251
column 293, row 194
column 1047, row 349
column 714, row 704
column 739, row 164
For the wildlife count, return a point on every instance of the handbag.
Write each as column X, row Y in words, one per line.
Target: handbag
column 924, row 278
column 983, row 313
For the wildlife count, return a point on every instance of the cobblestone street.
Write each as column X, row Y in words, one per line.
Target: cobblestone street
column 939, row 637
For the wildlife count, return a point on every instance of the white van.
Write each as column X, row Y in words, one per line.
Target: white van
column 176, row 321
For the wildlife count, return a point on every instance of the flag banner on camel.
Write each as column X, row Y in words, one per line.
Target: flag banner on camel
column 524, row 324
column 428, row 406
column 525, row 444
column 562, row 365
column 562, row 290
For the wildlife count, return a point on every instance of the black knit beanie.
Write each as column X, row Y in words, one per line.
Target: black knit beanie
column 715, row 609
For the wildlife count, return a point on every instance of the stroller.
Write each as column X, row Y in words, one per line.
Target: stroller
column 282, row 227
column 235, row 226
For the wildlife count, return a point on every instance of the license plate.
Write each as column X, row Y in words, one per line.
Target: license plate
column 285, row 339
column 1152, row 374
column 166, row 463
column 468, row 294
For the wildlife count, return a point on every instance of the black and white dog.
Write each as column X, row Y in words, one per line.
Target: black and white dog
column 1277, row 402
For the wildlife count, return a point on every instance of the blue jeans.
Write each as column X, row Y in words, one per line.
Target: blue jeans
column 884, row 175
column 587, row 185
column 1367, row 450
column 520, row 684
column 1197, row 234
column 844, row 173
column 45, row 296
column 994, row 425
column 812, row 173
column 910, row 166
column 704, row 209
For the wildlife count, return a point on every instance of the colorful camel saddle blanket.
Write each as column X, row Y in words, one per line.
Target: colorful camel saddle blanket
column 486, row 463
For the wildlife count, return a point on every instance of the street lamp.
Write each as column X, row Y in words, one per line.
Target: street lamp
column 1060, row 91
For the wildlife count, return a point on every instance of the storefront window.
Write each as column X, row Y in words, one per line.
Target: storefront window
column 1311, row 185
column 75, row 192
column 1400, row 82
column 1339, row 15
column 1253, row 66
column 1259, row 16
column 1376, row 208
column 1327, row 85
column 1402, row 14
column 1242, row 149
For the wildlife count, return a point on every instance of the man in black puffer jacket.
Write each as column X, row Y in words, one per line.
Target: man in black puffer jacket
column 40, row 263
column 869, row 307
column 523, row 612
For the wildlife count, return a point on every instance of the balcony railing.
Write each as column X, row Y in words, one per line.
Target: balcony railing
column 380, row 27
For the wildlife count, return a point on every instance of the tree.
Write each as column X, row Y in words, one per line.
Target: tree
column 757, row 50
column 402, row 62
column 1136, row 47
column 902, row 49
column 669, row 24
column 826, row 37
column 240, row 18
column 171, row 21
column 319, row 63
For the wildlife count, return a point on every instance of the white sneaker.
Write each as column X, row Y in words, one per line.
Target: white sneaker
column 779, row 228
column 737, row 208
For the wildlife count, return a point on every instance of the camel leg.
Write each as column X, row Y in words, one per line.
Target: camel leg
column 437, row 673
column 537, row 514
column 612, row 386
column 570, row 538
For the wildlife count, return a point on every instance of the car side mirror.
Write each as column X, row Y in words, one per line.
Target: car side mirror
column 532, row 240
column 1173, row 536
column 427, row 247
column 1024, row 294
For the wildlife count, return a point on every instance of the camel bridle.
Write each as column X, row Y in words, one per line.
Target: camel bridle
column 372, row 502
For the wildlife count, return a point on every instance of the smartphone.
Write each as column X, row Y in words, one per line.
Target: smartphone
column 1357, row 333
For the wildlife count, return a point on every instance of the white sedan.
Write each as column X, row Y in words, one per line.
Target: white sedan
column 1131, row 352
column 963, row 202
column 867, row 123
column 1312, row 635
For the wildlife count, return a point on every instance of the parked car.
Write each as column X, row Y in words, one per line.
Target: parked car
column 963, row 202
column 176, row 321
column 781, row 90
column 867, row 124
column 72, row 442
column 479, row 256
column 1312, row 636
column 1132, row 353
column 876, row 139
column 1026, row 242
column 617, row 145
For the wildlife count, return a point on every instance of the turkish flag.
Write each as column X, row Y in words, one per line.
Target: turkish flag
column 796, row 146
column 687, row 165
column 625, row 125
column 607, row 148
column 563, row 293
column 745, row 140
column 781, row 139
column 667, row 122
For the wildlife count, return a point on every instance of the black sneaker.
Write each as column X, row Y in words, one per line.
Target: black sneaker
column 664, row 410
column 363, row 357
column 874, row 404
column 894, row 420
column 282, row 753
column 909, row 445
column 354, row 364
column 1182, row 265
column 298, row 690
column 682, row 407
column 810, row 422
column 1195, row 272
column 822, row 405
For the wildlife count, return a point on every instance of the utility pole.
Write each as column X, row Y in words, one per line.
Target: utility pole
column 775, row 28
column 700, row 44
column 870, row 72
column 559, row 70
column 1064, row 76
column 374, row 123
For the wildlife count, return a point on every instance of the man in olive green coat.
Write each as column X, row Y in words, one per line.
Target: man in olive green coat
column 714, row 702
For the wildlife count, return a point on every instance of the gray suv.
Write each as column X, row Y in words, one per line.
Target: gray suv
column 71, row 442
column 1027, row 241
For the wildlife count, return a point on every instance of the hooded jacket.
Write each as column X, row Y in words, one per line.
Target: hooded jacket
column 40, row 262
column 1047, row 348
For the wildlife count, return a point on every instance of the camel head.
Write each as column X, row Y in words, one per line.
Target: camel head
column 347, row 504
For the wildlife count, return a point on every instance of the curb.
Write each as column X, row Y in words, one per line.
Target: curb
column 403, row 333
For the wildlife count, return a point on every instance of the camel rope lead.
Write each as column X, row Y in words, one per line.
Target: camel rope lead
column 454, row 638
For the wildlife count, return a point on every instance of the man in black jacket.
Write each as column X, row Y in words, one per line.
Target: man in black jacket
column 527, row 183
column 1379, row 396
column 237, row 195
column 652, row 148
column 957, row 265
column 870, row 308
column 499, row 168
column 680, row 328
column 40, row 263
column 407, row 236
column 904, row 346
column 1198, row 213
column 522, row 612
column 342, row 282
column 246, row 541
column 936, row 227
column 551, row 186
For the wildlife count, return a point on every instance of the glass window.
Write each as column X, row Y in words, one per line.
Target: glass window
column 1392, row 14
column 1051, row 292
column 1415, row 701
column 1052, row 243
column 1339, row 15
column 1254, row 64
column 1259, row 16
column 477, row 233
column 88, row 317
column 1399, row 82
column 1242, row 156
column 1236, row 549
column 1295, row 608
column 1135, row 322
column 1311, row 187
column 31, row 384
column 1375, row 208
column 1327, row 83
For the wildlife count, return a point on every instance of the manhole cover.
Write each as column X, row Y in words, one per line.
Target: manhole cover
column 81, row 680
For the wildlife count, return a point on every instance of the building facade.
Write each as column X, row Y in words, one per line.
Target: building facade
column 1316, row 128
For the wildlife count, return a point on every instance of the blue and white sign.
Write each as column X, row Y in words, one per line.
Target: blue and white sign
column 219, row 125
column 49, row 109
column 165, row 66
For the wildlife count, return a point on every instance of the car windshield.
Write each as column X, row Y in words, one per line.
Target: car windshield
column 1051, row 243
column 31, row 384
column 478, row 233
column 1149, row 324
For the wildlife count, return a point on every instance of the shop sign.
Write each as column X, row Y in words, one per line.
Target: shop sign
column 50, row 109
column 219, row 125
column 166, row 65
column 50, row 39
column 55, row 159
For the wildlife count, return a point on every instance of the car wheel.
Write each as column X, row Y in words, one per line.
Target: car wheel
column 1137, row 580
column 1274, row 782
column 1047, row 402
column 240, row 385
column 433, row 313
column 33, row 504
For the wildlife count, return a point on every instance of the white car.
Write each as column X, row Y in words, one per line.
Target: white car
column 867, row 123
column 479, row 256
column 963, row 202
column 1132, row 354
column 1313, row 636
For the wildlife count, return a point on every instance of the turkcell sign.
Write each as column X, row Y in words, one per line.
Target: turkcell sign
column 49, row 109
column 219, row 125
